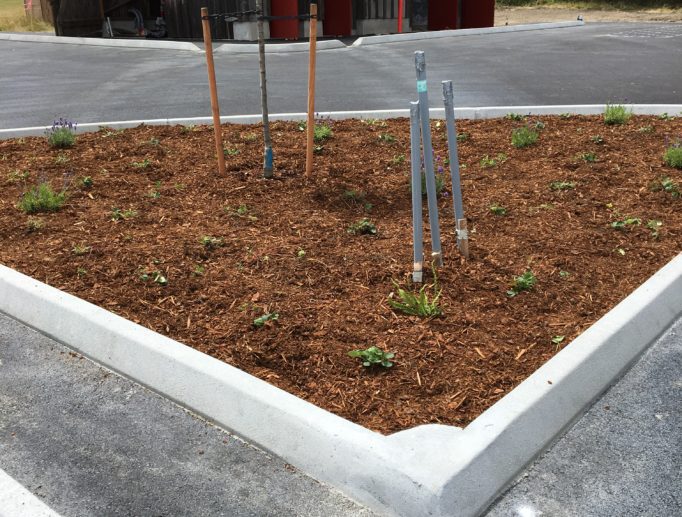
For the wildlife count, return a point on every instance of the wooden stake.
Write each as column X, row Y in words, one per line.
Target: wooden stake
column 214, row 92
column 311, row 90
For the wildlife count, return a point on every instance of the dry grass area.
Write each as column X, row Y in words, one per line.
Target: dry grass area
column 570, row 11
column 14, row 19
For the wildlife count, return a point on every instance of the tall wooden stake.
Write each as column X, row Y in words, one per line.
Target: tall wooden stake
column 311, row 89
column 267, row 152
column 214, row 92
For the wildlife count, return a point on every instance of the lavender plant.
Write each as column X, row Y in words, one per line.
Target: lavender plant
column 62, row 134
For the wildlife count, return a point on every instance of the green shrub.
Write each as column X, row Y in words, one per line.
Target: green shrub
column 524, row 137
column 673, row 155
column 322, row 132
column 416, row 304
column 62, row 134
column 616, row 114
column 363, row 227
column 521, row 283
column 42, row 199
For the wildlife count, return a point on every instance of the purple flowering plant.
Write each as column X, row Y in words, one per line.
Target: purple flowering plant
column 62, row 134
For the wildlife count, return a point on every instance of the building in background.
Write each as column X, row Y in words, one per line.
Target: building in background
column 180, row 19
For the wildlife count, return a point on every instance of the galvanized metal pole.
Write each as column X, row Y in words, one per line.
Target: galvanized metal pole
column 417, row 221
column 214, row 92
column 432, row 195
column 267, row 151
column 460, row 220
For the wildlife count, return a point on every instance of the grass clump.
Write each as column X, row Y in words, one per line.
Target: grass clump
column 62, row 134
column 524, row 137
column 562, row 185
column 616, row 114
column 498, row 210
column 373, row 356
column 673, row 155
column 322, row 132
column 42, row 198
column 417, row 304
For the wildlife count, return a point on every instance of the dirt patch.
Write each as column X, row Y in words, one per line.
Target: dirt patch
column 522, row 15
column 135, row 242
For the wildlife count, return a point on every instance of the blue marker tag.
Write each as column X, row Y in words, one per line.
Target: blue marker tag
column 421, row 86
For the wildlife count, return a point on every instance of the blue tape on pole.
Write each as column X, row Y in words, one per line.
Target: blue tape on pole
column 268, row 157
column 421, row 86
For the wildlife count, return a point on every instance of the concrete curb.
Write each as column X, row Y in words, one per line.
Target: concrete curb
column 438, row 113
column 102, row 42
column 16, row 501
column 249, row 48
column 428, row 470
column 419, row 36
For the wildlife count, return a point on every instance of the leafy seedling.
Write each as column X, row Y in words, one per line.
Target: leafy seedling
column 211, row 243
column 386, row 138
column 231, row 152
column 597, row 139
column 143, row 164
column 557, row 340
column 624, row 223
column 488, row 161
column 122, row 215
column 363, row 227
column 373, row 356
column 589, row 157
column 668, row 185
column 514, row 116
column 655, row 227
column 562, row 185
column 87, row 182
column 498, row 210
column 525, row 282
column 81, row 249
column 262, row 320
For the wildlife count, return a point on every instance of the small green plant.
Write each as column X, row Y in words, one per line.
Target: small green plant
column 17, row 176
column 398, row 159
column 673, row 155
column 463, row 137
column 524, row 137
column 487, row 161
column 374, row 122
column 154, row 142
column 62, row 134
column 81, row 272
column 557, row 340
column 357, row 197
column 667, row 184
column 565, row 116
column 199, row 270
column 157, row 276
column 386, row 138
column 143, row 164
column 300, row 253
column 562, row 185
column 363, row 227
column 665, row 116
column 87, row 182
column 262, row 320
column 655, row 227
column 81, row 249
column 589, row 157
column 122, row 215
column 498, row 210
column 624, row 223
column 440, row 184
column 211, row 243
column 61, row 159
column 250, row 137
column 42, row 198
column 514, row 116
column 231, row 151
column 33, row 224
column 616, row 114
column 539, row 125
column 525, row 282
column 564, row 274
column 179, row 187
column 416, row 304
column 322, row 132
column 646, row 129
column 188, row 128
column 373, row 356
column 597, row 139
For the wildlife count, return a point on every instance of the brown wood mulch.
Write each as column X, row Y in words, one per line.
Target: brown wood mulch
column 286, row 250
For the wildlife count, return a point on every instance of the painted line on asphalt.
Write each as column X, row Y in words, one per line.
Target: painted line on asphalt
column 429, row 469
column 460, row 114
column 17, row 501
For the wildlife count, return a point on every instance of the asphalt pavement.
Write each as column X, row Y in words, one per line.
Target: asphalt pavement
column 88, row 443
column 593, row 64
column 623, row 458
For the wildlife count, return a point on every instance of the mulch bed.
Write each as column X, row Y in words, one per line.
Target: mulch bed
column 286, row 249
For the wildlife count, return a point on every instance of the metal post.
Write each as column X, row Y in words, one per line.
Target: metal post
column 311, row 89
column 401, row 11
column 420, row 65
column 417, row 222
column 460, row 220
column 214, row 92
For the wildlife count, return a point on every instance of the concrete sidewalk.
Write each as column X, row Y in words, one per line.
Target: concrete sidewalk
column 623, row 458
column 88, row 442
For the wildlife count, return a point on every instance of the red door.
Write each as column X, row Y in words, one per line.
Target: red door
column 442, row 14
column 478, row 13
column 337, row 18
column 285, row 29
